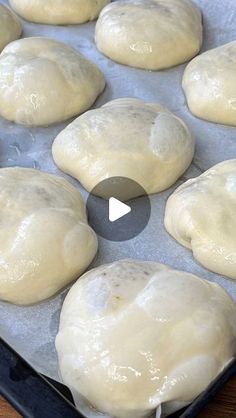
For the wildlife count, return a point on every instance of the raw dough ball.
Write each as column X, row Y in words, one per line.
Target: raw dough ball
column 58, row 12
column 136, row 334
column 128, row 138
column 10, row 26
column 201, row 215
column 45, row 240
column 150, row 34
column 209, row 83
column 43, row 81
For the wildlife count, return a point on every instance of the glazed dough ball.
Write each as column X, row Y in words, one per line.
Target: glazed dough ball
column 58, row 12
column 209, row 83
column 43, row 81
column 135, row 334
column 10, row 26
column 45, row 240
column 127, row 138
column 150, row 34
column 201, row 215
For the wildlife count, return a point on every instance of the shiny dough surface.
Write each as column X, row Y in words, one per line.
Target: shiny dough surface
column 134, row 335
column 58, row 12
column 43, row 81
column 128, row 138
column 201, row 215
column 150, row 34
column 10, row 26
column 209, row 83
column 45, row 240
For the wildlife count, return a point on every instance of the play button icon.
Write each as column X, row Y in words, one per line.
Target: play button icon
column 118, row 209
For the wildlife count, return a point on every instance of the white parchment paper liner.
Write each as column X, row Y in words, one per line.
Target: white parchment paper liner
column 31, row 330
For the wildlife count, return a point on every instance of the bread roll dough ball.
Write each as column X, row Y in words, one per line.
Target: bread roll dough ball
column 127, row 138
column 58, row 12
column 135, row 334
column 209, row 83
column 10, row 26
column 45, row 240
column 150, row 34
column 43, row 81
column 201, row 215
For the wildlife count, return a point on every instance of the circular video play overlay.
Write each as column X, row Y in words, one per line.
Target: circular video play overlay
column 118, row 209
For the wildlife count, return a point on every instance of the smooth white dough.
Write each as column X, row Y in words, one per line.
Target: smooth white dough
column 128, row 138
column 45, row 240
column 209, row 83
column 58, row 12
column 150, row 34
column 201, row 215
column 10, row 26
column 135, row 334
column 43, row 81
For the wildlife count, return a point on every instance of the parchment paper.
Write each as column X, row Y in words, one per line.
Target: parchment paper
column 31, row 330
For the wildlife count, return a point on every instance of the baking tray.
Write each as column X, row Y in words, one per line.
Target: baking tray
column 35, row 396
column 31, row 331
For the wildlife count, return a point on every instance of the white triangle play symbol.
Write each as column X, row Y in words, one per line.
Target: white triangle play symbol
column 117, row 209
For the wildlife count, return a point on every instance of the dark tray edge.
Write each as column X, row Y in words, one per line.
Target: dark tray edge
column 34, row 395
